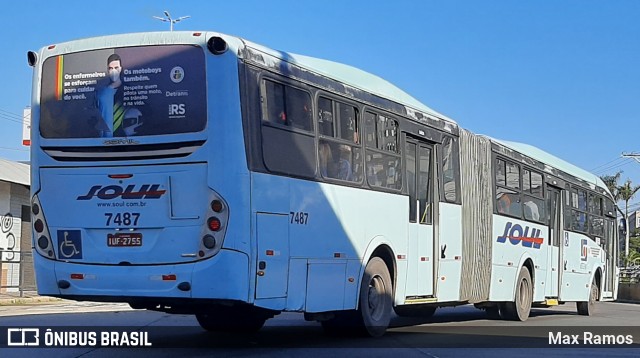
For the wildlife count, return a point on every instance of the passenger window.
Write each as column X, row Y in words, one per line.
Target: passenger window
column 348, row 122
column 501, row 172
column 579, row 221
column 582, row 200
column 508, row 202
column 288, row 106
column 450, row 169
column 513, row 176
column 383, row 164
column 536, row 184
column 370, row 134
column 325, row 116
column 339, row 155
column 340, row 161
column 534, row 209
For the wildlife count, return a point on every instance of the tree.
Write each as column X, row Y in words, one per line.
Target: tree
column 611, row 181
column 626, row 193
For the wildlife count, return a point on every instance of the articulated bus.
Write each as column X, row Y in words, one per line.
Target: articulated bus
column 201, row 173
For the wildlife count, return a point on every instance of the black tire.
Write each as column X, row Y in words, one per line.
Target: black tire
column 588, row 308
column 231, row 319
column 376, row 302
column 422, row 311
column 519, row 309
column 374, row 305
column 493, row 312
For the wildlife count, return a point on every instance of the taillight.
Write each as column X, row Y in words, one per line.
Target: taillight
column 42, row 239
column 209, row 242
column 43, row 242
column 39, row 226
column 213, row 233
column 217, row 206
column 214, row 224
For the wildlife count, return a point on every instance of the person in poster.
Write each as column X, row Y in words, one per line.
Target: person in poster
column 109, row 99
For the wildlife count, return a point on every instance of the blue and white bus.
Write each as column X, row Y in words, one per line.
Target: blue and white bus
column 200, row 173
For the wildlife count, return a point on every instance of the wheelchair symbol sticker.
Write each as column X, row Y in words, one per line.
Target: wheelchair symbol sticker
column 70, row 244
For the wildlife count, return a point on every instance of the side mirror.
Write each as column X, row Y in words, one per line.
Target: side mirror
column 32, row 58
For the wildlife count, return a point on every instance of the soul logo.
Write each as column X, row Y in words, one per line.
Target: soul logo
column 146, row 191
column 519, row 235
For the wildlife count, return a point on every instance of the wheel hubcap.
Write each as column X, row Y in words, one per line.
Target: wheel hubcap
column 376, row 297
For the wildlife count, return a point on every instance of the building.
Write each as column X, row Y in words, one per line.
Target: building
column 634, row 222
column 16, row 260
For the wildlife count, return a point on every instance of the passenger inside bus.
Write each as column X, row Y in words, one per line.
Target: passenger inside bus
column 344, row 163
column 508, row 204
column 531, row 211
column 326, row 160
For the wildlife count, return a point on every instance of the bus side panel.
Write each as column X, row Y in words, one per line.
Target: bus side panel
column 514, row 242
column 502, row 282
column 334, row 224
column 297, row 285
column 450, row 253
column 579, row 266
column 47, row 280
column 225, row 276
column 326, row 285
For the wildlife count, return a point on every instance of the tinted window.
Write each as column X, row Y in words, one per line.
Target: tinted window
column 508, row 202
column 382, row 161
column 501, row 172
column 450, row 169
column 536, row 184
column 340, row 161
column 288, row 106
column 285, row 150
column 348, row 122
column 513, row 175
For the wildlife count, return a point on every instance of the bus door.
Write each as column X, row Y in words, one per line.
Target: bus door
column 554, row 202
column 419, row 174
column 609, row 256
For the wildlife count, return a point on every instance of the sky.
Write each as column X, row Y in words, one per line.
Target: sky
column 563, row 75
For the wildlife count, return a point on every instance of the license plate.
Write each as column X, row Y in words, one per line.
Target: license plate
column 124, row 239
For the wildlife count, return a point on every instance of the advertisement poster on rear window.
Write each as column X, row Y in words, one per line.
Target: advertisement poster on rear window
column 124, row 92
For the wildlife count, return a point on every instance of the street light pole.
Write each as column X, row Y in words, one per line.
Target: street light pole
column 168, row 19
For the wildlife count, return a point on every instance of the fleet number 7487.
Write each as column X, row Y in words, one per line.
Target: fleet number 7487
column 122, row 219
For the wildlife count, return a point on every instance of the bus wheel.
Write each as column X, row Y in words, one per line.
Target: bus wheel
column 375, row 303
column 587, row 308
column 520, row 308
column 493, row 312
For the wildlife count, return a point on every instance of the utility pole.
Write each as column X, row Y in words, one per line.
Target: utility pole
column 168, row 19
column 635, row 156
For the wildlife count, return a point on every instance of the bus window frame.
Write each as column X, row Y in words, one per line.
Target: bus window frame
column 336, row 139
column 398, row 154
column 519, row 192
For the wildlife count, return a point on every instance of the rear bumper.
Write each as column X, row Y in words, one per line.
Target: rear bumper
column 223, row 277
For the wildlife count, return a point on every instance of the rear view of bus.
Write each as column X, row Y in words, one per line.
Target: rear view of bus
column 138, row 162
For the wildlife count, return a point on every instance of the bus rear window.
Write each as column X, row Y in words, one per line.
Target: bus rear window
column 124, row 92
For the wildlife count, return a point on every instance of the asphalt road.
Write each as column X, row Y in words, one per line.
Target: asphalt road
column 450, row 332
